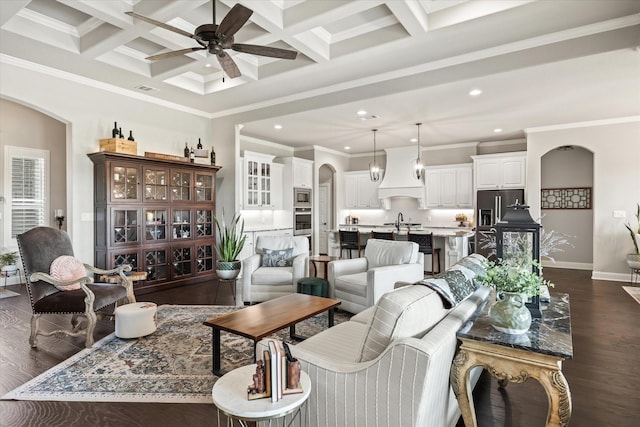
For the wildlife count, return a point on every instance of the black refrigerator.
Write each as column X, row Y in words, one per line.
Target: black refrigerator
column 490, row 208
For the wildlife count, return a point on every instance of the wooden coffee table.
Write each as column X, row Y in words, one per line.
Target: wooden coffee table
column 262, row 320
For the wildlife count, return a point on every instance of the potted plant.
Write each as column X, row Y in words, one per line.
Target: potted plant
column 8, row 263
column 230, row 244
column 633, row 259
column 513, row 283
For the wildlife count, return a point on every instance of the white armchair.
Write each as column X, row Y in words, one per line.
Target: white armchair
column 273, row 271
column 360, row 282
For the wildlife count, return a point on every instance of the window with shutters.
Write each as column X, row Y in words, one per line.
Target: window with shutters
column 26, row 191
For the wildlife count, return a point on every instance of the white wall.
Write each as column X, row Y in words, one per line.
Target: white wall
column 89, row 114
column 616, row 176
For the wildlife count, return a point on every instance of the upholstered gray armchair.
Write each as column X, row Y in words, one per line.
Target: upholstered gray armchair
column 44, row 247
column 263, row 278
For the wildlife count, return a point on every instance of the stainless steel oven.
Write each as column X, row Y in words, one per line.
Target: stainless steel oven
column 301, row 197
column 301, row 221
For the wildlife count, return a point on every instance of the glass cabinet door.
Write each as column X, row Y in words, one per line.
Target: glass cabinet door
column 181, row 224
column 204, row 260
column 124, row 226
column 253, row 180
column 181, row 262
column 156, row 265
column 124, row 258
column 204, row 223
column 265, row 184
column 124, row 181
column 180, row 186
column 155, row 224
column 156, row 184
column 204, row 187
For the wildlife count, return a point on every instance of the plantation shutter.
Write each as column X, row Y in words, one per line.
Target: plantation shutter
column 28, row 195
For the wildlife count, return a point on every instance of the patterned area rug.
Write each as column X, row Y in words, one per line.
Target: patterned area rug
column 634, row 291
column 5, row 293
column 172, row 365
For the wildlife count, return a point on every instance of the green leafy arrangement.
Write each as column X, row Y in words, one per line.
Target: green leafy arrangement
column 633, row 232
column 230, row 241
column 8, row 258
column 511, row 276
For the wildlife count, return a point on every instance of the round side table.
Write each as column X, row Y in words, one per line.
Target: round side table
column 229, row 394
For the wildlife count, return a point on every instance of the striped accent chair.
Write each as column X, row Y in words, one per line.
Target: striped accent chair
column 389, row 364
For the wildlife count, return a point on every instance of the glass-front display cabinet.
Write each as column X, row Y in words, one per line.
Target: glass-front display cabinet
column 156, row 215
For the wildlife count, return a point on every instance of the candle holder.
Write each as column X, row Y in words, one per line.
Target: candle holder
column 60, row 220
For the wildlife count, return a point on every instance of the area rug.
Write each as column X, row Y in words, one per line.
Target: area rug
column 172, row 365
column 5, row 293
column 634, row 291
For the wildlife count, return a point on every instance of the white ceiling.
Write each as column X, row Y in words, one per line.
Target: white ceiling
column 539, row 63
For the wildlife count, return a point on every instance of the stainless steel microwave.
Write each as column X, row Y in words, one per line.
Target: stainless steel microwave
column 302, row 197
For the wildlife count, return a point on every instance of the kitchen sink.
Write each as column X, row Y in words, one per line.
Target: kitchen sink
column 404, row 224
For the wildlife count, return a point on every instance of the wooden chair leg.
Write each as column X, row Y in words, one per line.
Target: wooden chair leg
column 91, row 325
column 33, row 338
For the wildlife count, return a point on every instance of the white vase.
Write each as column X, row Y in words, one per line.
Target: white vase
column 633, row 260
column 10, row 270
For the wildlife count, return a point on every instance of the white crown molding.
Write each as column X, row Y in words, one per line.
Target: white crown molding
column 603, row 122
column 250, row 139
column 42, row 69
column 503, row 142
column 329, row 150
column 451, row 146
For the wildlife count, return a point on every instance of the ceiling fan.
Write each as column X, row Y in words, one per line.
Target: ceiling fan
column 217, row 38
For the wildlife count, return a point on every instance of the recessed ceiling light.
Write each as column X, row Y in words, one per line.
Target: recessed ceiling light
column 277, row 127
column 475, row 92
column 413, row 140
column 362, row 112
column 207, row 65
column 497, row 130
column 347, row 147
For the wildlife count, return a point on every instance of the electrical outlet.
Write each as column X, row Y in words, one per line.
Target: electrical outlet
column 619, row 214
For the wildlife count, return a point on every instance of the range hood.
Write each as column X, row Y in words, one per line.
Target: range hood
column 399, row 179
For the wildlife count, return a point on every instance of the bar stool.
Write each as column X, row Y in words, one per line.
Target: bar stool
column 384, row 235
column 425, row 245
column 350, row 240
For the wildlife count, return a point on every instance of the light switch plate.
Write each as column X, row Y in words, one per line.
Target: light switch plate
column 619, row 214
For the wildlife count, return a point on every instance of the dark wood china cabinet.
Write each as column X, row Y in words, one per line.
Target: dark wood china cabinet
column 156, row 215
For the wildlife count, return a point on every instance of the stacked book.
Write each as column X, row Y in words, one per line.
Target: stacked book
column 272, row 377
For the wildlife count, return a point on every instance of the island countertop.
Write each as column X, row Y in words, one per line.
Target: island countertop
column 437, row 231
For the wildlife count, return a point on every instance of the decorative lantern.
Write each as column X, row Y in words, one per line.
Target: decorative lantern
column 518, row 240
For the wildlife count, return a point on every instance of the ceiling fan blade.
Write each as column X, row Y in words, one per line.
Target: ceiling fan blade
column 174, row 53
column 159, row 24
column 235, row 19
column 228, row 65
column 273, row 52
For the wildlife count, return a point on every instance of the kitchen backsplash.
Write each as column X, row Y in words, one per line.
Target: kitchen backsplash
column 410, row 212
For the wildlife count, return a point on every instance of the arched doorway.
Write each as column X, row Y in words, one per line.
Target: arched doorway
column 326, row 203
column 568, row 170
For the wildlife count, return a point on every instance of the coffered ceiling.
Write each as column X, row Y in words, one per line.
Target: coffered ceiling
column 538, row 63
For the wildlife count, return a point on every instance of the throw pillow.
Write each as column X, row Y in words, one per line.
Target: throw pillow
column 277, row 257
column 442, row 289
column 66, row 268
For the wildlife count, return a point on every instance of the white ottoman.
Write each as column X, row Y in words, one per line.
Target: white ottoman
column 135, row 320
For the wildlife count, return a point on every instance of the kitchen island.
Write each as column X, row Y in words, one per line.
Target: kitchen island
column 453, row 241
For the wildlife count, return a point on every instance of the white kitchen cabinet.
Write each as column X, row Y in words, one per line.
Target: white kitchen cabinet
column 361, row 192
column 301, row 171
column 277, row 182
column 500, row 171
column 449, row 186
column 257, row 181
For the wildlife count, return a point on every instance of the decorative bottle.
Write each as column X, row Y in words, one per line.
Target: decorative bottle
column 213, row 155
column 186, row 149
column 120, row 133
column 199, row 144
column 131, row 136
column 192, row 156
column 114, row 132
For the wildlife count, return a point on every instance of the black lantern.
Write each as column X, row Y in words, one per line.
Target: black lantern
column 518, row 240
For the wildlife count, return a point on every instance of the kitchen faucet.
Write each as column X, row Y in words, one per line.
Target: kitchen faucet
column 400, row 218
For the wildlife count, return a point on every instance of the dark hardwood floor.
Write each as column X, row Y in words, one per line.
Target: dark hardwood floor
column 604, row 375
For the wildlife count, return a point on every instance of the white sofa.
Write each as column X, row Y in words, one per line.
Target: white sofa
column 390, row 364
column 261, row 283
column 360, row 282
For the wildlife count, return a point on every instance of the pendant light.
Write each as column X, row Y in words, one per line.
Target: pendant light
column 374, row 168
column 418, row 165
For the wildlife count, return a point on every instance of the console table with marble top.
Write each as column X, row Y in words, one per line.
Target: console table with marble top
column 537, row 354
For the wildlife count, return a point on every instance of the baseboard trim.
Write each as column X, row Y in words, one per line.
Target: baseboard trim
column 568, row 265
column 614, row 277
